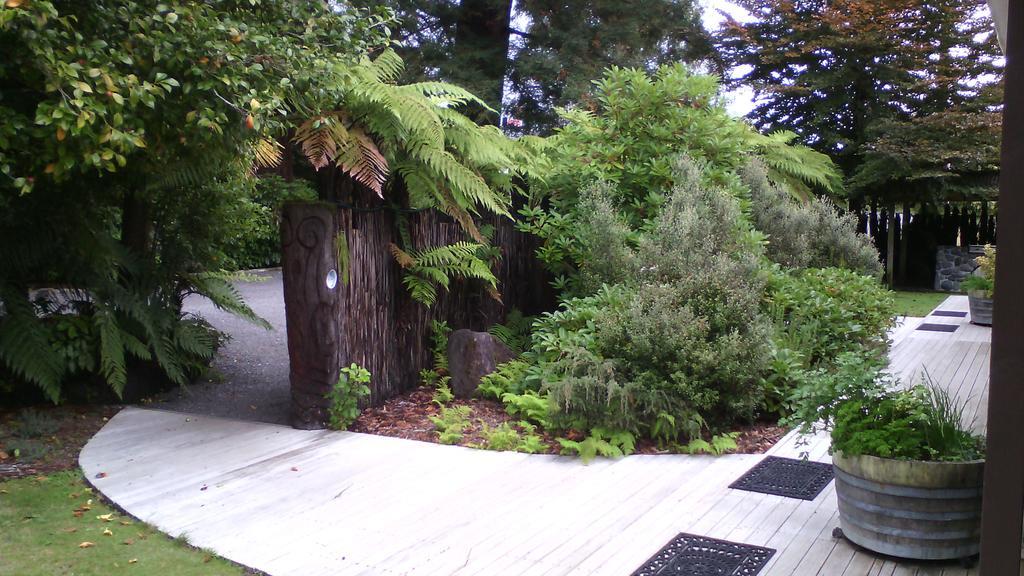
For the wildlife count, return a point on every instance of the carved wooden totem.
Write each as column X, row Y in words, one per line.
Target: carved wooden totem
column 311, row 285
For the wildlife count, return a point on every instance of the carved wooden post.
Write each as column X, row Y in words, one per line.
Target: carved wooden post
column 311, row 277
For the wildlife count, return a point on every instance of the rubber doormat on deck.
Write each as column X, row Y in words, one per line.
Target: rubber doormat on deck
column 938, row 327
column 949, row 313
column 690, row 555
column 786, row 477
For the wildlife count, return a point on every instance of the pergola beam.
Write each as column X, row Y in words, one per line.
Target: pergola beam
column 1003, row 504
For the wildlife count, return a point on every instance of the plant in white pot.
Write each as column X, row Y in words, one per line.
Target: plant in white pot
column 980, row 286
column 908, row 471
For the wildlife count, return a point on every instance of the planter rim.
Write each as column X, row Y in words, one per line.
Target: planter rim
column 913, row 473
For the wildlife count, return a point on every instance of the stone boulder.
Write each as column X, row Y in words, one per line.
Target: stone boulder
column 471, row 356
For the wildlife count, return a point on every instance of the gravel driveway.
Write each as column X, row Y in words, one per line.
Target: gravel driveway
column 249, row 380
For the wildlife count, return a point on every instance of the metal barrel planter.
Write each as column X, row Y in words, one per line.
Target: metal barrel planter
column 910, row 509
column 981, row 307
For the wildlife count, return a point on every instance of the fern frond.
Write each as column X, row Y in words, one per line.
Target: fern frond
column 435, row 267
column 267, row 153
column 388, row 66
column 25, row 346
column 446, row 95
column 796, row 167
column 364, row 162
column 112, row 347
column 224, row 296
column 405, row 260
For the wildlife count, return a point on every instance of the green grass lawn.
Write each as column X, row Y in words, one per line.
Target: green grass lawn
column 56, row 525
column 917, row 303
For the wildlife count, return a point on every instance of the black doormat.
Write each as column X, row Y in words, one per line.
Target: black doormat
column 938, row 327
column 689, row 555
column 786, row 477
column 949, row 313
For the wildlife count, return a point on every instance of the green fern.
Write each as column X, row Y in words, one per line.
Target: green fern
column 426, row 270
column 25, row 346
column 223, row 294
column 797, row 168
column 446, row 161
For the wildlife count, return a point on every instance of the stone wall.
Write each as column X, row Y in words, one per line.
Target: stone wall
column 953, row 264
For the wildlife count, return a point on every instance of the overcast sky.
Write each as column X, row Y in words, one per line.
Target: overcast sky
column 741, row 100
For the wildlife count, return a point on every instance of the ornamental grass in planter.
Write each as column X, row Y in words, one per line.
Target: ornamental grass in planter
column 908, row 471
column 980, row 287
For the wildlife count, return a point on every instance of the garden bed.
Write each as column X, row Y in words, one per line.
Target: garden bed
column 47, row 439
column 408, row 416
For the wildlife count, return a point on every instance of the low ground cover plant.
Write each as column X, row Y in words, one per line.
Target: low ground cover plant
column 345, row 396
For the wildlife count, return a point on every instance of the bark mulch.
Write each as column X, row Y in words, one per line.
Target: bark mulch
column 47, row 438
column 408, row 416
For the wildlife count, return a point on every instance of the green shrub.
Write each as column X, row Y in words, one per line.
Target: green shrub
column 807, row 234
column 921, row 423
column 252, row 230
column 825, row 312
column 627, row 143
column 344, row 397
column 679, row 334
column 819, row 392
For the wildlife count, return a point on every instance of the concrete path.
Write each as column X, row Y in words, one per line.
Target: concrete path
column 249, row 380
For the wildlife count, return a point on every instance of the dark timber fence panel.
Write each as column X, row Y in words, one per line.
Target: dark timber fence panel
column 379, row 326
column 952, row 224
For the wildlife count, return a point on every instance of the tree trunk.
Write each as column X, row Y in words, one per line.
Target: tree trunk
column 308, row 255
column 136, row 225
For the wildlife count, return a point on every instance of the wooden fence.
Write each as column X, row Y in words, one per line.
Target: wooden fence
column 373, row 320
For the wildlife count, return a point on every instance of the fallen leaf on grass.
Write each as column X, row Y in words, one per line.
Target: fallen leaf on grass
column 107, row 532
column 133, row 560
column 128, row 542
column 70, row 530
column 126, row 523
column 77, row 513
column 4, row 492
column 86, row 545
column 105, row 517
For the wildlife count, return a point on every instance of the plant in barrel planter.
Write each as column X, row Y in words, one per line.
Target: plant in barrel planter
column 980, row 286
column 908, row 472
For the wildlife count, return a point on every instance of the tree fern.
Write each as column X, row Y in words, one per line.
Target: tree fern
column 796, row 168
column 445, row 160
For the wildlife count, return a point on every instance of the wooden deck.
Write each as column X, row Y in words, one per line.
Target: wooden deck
column 297, row 502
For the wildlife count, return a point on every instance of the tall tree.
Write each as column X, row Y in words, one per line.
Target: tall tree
column 556, row 49
column 568, row 44
column 833, row 70
column 460, row 41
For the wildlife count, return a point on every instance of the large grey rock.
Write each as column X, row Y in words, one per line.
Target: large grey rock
column 471, row 356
